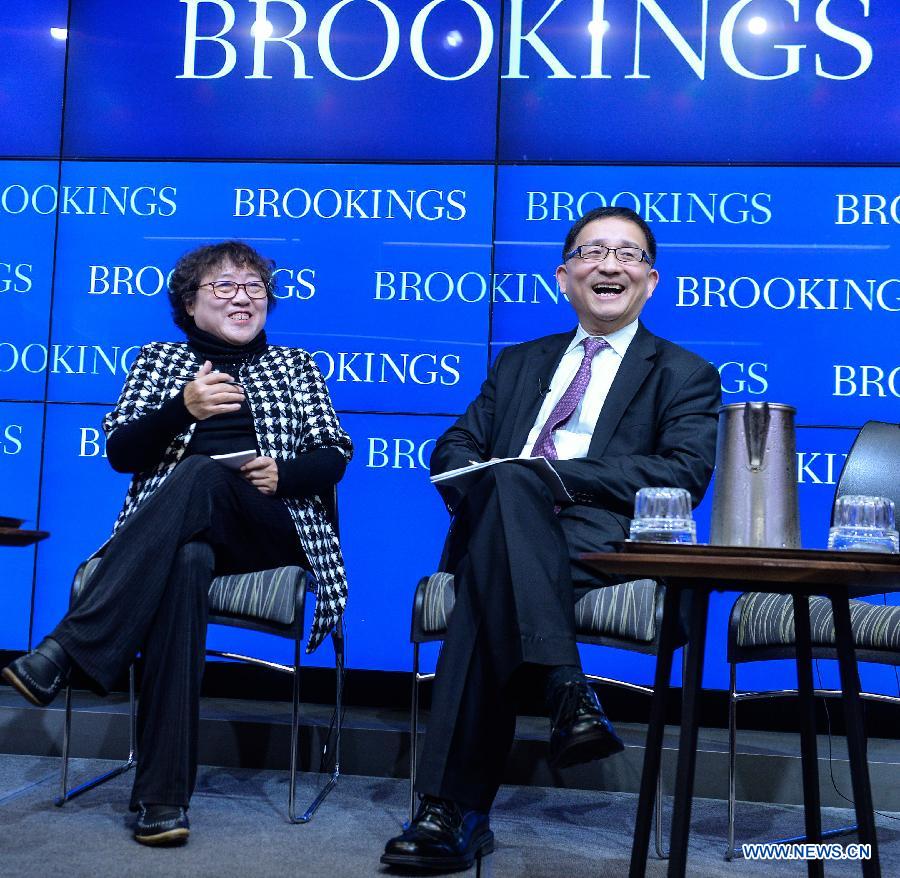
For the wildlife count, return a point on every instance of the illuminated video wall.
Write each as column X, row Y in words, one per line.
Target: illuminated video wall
column 412, row 167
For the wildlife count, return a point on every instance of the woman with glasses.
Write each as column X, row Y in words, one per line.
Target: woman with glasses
column 191, row 514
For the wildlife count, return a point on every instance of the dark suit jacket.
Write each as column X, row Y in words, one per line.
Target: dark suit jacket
column 657, row 428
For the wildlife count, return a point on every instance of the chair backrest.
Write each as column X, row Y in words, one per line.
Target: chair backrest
column 872, row 467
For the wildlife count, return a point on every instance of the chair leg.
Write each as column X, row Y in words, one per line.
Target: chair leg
column 661, row 852
column 414, row 732
column 295, row 729
column 132, row 709
column 65, row 794
column 337, row 639
column 64, row 766
column 732, row 758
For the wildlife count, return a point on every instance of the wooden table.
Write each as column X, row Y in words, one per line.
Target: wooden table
column 801, row 573
column 15, row 536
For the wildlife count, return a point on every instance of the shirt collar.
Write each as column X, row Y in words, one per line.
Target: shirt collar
column 618, row 340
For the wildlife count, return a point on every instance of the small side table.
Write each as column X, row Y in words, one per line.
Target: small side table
column 798, row 572
column 15, row 536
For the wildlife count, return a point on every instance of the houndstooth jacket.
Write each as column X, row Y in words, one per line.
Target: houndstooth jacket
column 292, row 413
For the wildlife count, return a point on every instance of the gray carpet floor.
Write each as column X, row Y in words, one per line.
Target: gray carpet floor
column 239, row 829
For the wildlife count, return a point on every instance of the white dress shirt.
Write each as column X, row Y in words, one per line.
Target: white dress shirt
column 574, row 437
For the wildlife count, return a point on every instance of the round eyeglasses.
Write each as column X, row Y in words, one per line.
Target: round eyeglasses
column 228, row 289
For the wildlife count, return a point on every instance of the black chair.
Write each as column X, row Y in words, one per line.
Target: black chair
column 272, row 601
column 626, row 616
column 761, row 626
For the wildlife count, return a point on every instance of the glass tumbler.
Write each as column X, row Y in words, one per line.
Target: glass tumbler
column 863, row 524
column 663, row 515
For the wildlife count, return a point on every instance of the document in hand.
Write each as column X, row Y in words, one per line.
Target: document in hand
column 236, row 459
column 463, row 477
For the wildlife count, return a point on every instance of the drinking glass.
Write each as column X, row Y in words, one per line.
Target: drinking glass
column 663, row 515
column 863, row 524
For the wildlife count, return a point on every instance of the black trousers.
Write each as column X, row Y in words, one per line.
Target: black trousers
column 150, row 593
column 516, row 587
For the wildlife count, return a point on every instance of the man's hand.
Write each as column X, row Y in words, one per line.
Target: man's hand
column 212, row 393
column 263, row 473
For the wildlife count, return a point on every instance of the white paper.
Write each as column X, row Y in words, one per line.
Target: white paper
column 464, row 476
column 236, row 459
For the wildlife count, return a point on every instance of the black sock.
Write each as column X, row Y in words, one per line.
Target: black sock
column 559, row 676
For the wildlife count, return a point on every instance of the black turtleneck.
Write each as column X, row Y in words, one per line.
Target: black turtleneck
column 230, row 431
column 139, row 445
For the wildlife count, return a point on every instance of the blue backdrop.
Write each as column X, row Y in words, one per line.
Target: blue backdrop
column 412, row 167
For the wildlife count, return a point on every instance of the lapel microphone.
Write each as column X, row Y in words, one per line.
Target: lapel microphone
column 542, row 391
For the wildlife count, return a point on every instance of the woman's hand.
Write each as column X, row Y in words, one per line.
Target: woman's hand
column 263, row 473
column 212, row 393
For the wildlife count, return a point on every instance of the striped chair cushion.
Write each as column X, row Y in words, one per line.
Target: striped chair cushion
column 626, row 611
column 265, row 595
column 768, row 620
column 268, row 595
column 438, row 603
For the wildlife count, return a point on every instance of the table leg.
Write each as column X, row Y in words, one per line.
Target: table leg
column 809, row 757
column 856, row 733
column 655, row 729
column 687, row 740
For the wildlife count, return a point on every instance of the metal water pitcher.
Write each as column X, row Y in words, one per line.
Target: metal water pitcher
column 755, row 493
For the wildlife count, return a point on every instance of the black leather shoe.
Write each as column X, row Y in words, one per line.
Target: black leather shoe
column 441, row 838
column 40, row 674
column 162, row 825
column 580, row 730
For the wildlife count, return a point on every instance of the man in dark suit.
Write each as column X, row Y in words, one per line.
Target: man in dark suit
column 615, row 409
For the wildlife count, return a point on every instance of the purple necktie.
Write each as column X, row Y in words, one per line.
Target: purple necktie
column 568, row 402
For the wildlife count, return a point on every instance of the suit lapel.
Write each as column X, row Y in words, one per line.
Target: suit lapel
column 534, row 384
column 633, row 370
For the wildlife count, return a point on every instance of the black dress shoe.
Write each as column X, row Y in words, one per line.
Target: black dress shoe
column 441, row 838
column 162, row 825
column 580, row 730
column 41, row 673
